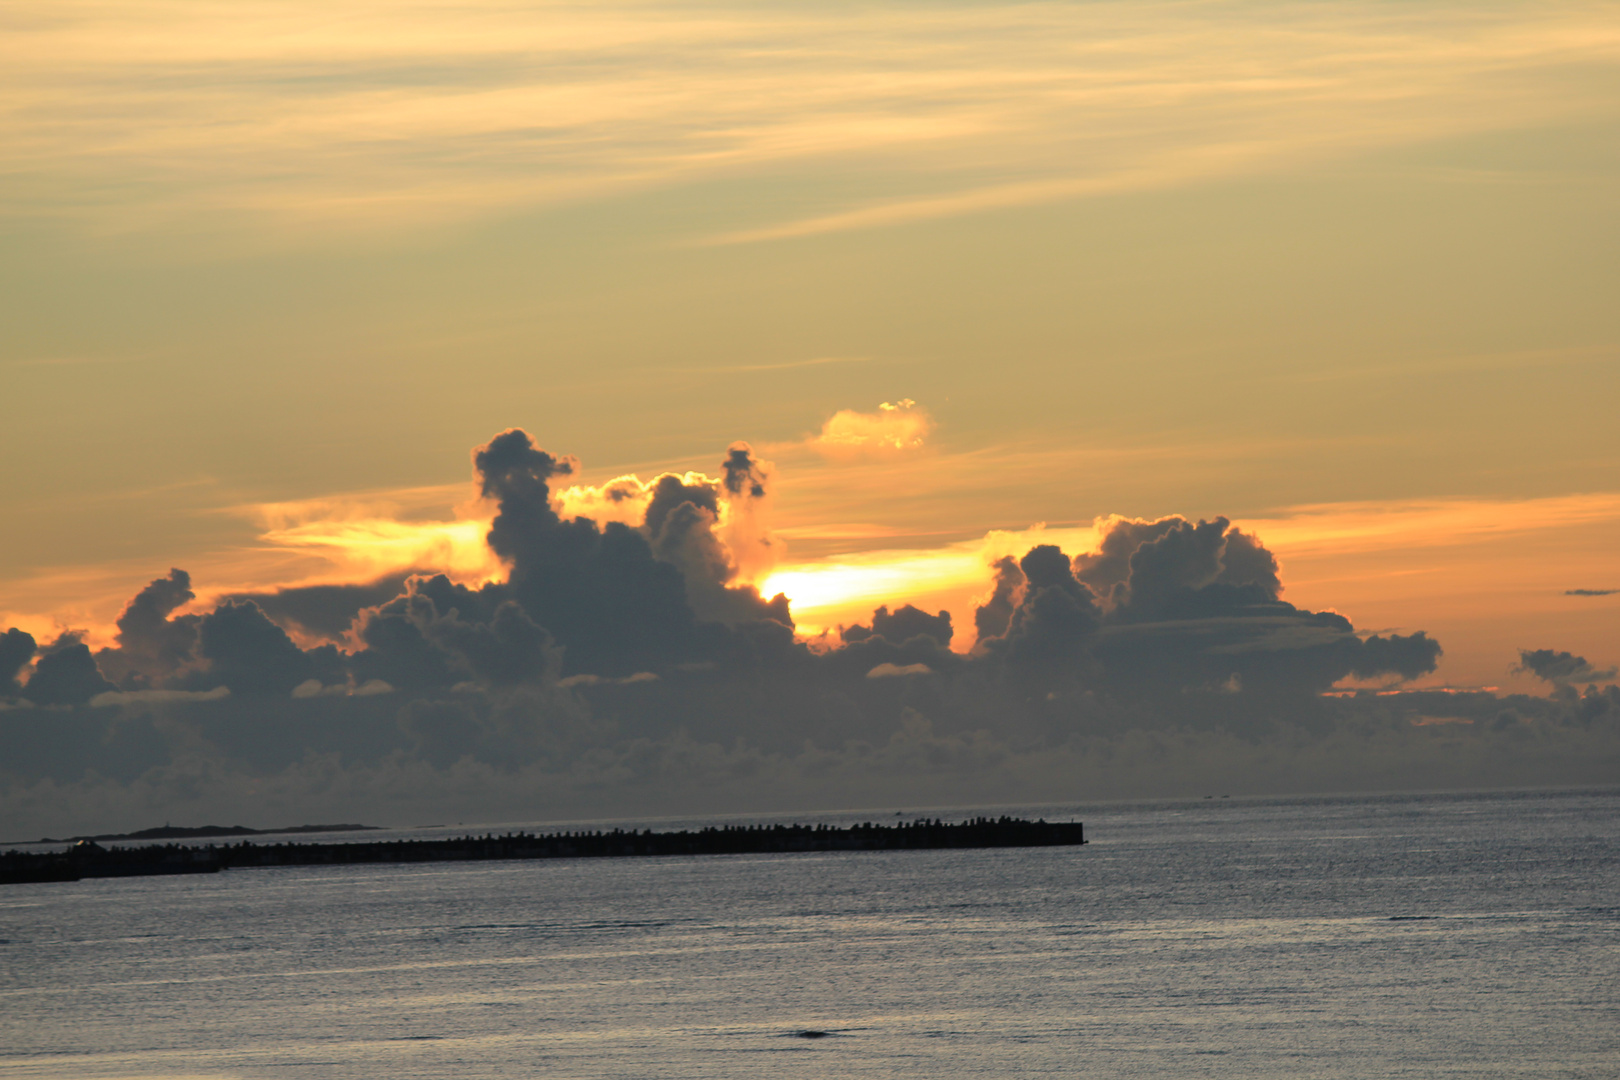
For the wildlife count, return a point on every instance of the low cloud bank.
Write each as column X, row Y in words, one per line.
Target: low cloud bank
column 625, row 666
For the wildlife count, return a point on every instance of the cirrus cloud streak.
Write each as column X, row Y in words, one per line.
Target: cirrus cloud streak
column 138, row 116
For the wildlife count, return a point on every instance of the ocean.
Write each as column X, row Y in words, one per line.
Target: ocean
column 1471, row 935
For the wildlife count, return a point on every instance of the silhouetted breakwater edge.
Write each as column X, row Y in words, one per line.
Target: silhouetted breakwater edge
column 87, row 859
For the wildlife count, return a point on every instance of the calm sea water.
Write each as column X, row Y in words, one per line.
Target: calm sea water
column 1458, row 935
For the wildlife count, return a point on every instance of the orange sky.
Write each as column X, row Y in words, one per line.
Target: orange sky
column 1486, row 577
column 1344, row 273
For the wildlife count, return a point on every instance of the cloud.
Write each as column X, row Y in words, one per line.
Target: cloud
column 889, row 671
column 371, row 548
column 895, row 428
column 136, row 697
column 597, row 680
column 1561, row 668
column 17, row 649
column 323, row 611
column 786, row 365
column 628, row 660
column 1171, row 607
column 902, row 625
column 1591, row 592
column 623, row 499
column 714, row 529
column 994, row 613
column 145, row 117
column 65, row 674
column 1419, row 523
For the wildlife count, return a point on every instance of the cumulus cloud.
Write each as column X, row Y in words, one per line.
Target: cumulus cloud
column 323, row 611
column 17, row 649
column 630, row 659
column 895, row 428
column 1167, row 608
column 66, row 674
column 994, row 615
column 1561, row 668
column 902, row 625
column 623, row 499
column 151, row 643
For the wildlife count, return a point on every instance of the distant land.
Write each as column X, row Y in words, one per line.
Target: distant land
column 90, row 860
column 179, row 832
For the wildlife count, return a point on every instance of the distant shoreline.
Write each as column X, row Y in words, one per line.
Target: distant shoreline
column 203, row 832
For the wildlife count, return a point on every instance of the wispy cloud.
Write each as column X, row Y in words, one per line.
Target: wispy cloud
column 135, row 116
column 66, row 361
column 1422, row 523
column 1507, row 360
column 786, row 365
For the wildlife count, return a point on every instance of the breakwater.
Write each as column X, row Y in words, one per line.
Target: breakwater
column 87, row 860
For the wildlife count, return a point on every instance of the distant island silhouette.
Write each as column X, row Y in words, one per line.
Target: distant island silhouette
column 88, row 859
column 202, row 832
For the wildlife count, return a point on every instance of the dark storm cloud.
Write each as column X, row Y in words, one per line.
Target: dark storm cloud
column 622, row 666
column 1560, row 668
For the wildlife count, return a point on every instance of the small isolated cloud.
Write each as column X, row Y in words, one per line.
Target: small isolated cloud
column 889, row 671
column 1560, row 668
column 1590, row 592
column 895, row 428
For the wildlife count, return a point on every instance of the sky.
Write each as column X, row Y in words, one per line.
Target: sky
column 964, row 279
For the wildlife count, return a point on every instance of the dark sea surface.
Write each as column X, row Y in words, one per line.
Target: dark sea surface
column 1393, row 936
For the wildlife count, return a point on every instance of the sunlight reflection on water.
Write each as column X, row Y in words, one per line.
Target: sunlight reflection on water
column 1463, row 935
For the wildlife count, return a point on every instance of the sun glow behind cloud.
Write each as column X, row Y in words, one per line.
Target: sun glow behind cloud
column 623, row 499
column 1363, row 558
column 1451, row 565
column 827, row 593
column 370, row 548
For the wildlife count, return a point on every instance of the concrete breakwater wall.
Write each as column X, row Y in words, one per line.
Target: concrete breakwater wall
column 86, row 860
